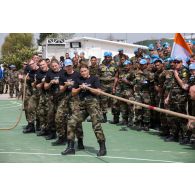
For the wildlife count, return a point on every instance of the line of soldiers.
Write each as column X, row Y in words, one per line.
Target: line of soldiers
column 11, row 81
column 57, row 102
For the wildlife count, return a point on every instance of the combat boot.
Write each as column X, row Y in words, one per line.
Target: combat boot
column 27, row 126
column 146, row 127
column 104, row 119
column 70, row 148
column 30, row 129
column 102, row 151
column 38, row 128
column 123, row 122
column 42, row 132
column 51, row 135
column 80, row 145
column 60, row 141
column 115, row 120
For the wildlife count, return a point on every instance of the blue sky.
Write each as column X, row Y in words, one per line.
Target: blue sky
column 131, row 37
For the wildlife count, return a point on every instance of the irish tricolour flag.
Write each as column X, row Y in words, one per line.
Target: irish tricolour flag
column 180, row 48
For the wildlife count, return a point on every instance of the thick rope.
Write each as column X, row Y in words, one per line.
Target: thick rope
column 22, row 107
column 169, row 112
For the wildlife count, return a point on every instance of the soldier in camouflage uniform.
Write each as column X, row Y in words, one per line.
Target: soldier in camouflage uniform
column 176, row 101
column 158, row 84
column 21, row 79
column 107, row 73
column 13, row 81
column 1, row 80
column 6, row 86
column 67, row 106
column 125, row 90
column 42, row 108
column 55, row 97
column 117, row 58
column 142, row 94
column 33, row 100
column 190, row 133
column 88, row 106
column 94, row 68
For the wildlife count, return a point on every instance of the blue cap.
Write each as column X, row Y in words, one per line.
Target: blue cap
column 154, row 56
column 120, row 49
column 178, row 58
column 157, row 60
column 189, row 41
column 151, row 47
column 143, row 62
column 136, row 50
column 166, row 44
column 127, row 62
column 169, row 59
column 159, row 49
column 107, row 54
column 192, row 67
column 146, row 57
column 12, row 66
column 68, row 62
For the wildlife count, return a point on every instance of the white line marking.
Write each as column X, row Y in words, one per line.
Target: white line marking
column 150, row 150
column 2, row 108
column 18, row 149
column 182, row 152
column 166, row 151
column 34, row 149
column 111, row 157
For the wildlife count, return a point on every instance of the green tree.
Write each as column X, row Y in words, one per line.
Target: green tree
column 17, row 48
column 43, row 36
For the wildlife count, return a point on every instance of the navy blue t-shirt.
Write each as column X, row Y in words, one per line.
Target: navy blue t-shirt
column 92, row 82
column 69, row 78
column 51, row 75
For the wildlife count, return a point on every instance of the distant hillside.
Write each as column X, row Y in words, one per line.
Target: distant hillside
column 147, row 42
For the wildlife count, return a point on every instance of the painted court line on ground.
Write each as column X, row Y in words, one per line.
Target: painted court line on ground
column 91, row 156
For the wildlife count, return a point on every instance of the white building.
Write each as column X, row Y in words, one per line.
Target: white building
column 91, row 47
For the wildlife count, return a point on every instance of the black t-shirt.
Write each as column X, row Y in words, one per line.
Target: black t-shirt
column 27, row 69
column 40, row 77
column 51, row 75
column 33, row 76
column 92, row 82
column 69, row 78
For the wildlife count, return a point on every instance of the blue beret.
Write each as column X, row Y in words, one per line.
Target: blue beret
column 12, row 66
column 192, row 67
column 68, row 62
column 143, row 62
column 157, row 60
column 178, row 58
column 121, row 49
column 127, row 62
column 146, row 57
column 154, row 56
column 151, row 47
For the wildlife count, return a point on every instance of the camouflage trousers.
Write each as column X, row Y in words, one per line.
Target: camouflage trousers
column 105, row 101
column 74, row 104
column 26, row 102
column 177, row 126
column 126, row 109
column 88, row 107
column 142, row 114
column 1, row 86
column 61, row 117
column 13, row 86
column 53, row 102
column 21, row 90
column 42, row 110
column 32, row 107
